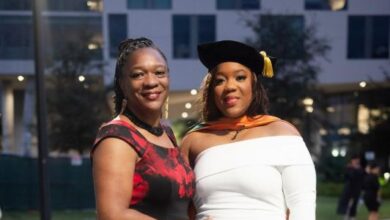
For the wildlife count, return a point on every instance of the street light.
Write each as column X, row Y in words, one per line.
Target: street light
column 309, row 109
column 363, row 84
column 184, row 115
column 20, row 78
column 308, row 101
column 188, row 105
column 194, row 92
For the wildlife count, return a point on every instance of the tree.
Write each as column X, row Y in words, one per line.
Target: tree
column 297, row 48
column 76, row 105
column 378, row 100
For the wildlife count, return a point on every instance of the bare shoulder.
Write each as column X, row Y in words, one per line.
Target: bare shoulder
column 112, row 150
column 190, row 146
column 283, row 128
column 189, row 141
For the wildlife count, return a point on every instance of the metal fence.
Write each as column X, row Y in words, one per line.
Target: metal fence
column 71, row 184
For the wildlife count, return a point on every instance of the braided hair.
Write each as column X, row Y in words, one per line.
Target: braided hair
column 125, row 49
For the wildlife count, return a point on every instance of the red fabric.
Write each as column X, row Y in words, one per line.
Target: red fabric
column 159, row 167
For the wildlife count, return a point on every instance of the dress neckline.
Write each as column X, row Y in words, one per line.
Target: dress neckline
column 131, row 127
column 240, row 141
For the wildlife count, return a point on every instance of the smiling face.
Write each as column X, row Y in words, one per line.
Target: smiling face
column 232, row 86
column 145, row 81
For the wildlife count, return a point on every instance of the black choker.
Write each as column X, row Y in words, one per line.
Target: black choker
column 157, row 131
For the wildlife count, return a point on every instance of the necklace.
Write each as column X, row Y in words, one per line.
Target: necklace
column 157, row 131
column 238, row 131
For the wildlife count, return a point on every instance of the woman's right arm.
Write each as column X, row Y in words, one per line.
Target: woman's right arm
column 113, row 169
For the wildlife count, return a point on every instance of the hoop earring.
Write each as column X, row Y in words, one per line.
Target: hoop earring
column 123, row 106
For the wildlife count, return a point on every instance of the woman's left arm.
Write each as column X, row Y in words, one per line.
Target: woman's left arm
column 298, row 174
column 299, row 188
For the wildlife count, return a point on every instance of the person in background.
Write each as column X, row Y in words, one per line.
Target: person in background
column 138, row 170
column 353, row 183
column 371, row 189
column 248, row 164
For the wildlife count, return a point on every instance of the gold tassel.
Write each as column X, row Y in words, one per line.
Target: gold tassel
column 124, row 106
column 267, row 69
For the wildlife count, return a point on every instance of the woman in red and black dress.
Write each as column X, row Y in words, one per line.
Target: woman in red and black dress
column 138, row 170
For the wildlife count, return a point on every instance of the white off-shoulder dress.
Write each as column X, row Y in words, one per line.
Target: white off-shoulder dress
column 256, row 179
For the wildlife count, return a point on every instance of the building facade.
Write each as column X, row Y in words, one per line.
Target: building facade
column 62, row 22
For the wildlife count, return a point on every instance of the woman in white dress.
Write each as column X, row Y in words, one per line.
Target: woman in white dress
column 248, row 164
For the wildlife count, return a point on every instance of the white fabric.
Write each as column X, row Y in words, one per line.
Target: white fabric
column 256, row 179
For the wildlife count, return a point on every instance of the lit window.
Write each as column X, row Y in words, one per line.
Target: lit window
column 363, row 119
column 74, row 5
column 335, row 5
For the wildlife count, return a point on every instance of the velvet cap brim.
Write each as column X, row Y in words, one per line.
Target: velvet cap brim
column 212, row 54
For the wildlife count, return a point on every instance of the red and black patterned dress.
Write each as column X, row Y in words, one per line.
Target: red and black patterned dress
column 163, row 182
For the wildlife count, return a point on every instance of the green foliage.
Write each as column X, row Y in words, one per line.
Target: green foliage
column 330, row 189
column 385, row 191
column 330, row 168
column 380, row 139
column 181, row 126
column 75, row 109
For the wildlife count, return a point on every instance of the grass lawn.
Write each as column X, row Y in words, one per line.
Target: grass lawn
column 326, row 208
column 56, row 215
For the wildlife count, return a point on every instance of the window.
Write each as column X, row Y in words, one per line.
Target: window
column 117, row 31
column 293, row 28
column 83, row 31
column 189, row 31
column 74, row 5
column 16, row 36
column 238, row 4
column 335, row 5
column 15, row 5
column 368, row 36
column 149, row 4
column 54, row 5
